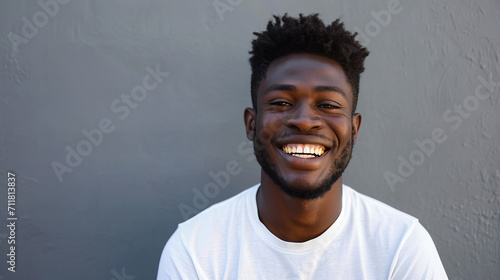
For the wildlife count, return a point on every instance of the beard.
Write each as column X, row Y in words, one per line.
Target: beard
column 298, row 190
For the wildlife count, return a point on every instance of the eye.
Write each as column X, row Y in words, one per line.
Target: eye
column 280, row 103
column 329, row 105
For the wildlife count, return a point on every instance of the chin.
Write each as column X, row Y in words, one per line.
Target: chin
column 301, row 191
column 305, row 188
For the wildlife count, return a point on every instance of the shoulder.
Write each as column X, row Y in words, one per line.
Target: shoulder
column 220, row 215
column 203, row 235
column 414, row 255
column 417, row 257
column 365, row 207
column 382, row 226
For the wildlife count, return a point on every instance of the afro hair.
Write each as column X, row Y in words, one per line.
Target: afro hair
column 306, row 34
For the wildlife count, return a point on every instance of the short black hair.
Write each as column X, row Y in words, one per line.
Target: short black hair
column 307, row 34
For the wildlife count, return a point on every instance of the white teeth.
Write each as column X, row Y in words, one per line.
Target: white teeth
column 304, row 150
column 304, row 156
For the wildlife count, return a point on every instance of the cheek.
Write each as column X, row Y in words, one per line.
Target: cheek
column 269, row 127
column 342, row 128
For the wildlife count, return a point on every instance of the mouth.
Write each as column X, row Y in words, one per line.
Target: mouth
column 305, row 151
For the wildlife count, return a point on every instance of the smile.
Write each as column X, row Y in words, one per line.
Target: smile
column 304, row 150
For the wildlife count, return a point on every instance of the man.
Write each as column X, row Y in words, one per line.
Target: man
column 301, row 222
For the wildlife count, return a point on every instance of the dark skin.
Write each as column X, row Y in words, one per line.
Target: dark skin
column 305, row 99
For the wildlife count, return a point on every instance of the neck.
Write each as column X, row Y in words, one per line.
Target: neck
column 293, row 219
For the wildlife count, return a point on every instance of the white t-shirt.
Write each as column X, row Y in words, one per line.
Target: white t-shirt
column 369, row 240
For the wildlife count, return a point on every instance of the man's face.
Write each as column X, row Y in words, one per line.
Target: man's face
column 303, row 130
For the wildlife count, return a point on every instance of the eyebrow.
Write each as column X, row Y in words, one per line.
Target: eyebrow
column 288, row 87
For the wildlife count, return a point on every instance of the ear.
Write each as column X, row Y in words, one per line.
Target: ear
column 249, row 117
column 356, row 123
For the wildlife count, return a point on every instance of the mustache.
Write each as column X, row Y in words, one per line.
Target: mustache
column 287, row 134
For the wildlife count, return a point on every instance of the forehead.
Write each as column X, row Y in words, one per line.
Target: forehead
column 307, row 69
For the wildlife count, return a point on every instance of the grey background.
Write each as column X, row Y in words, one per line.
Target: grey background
column 110, row 217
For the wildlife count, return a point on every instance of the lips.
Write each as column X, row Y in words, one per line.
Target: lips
column 304, row 150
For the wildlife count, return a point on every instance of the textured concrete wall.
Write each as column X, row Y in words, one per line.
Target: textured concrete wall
column 120, row 119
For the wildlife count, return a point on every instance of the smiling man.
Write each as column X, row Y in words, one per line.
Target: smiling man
column 301, row 222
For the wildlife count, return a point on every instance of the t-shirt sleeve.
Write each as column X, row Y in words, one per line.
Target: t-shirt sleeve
column 175, row 261
column 418, row 257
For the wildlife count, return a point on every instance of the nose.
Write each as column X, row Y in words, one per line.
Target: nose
column 304, row 117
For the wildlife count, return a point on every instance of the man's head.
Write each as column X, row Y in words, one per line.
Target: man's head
column 304, row 88
column 307, row 34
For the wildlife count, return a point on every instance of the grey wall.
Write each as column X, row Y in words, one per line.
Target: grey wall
column 70, row 67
